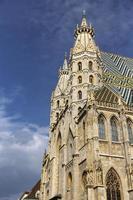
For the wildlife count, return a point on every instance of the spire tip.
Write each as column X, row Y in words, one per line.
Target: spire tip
column 84, row 13
column 65, row 56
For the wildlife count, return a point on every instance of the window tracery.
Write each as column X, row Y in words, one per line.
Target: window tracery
column 113, row 190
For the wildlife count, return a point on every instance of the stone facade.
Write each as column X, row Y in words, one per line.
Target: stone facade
column 90, row 151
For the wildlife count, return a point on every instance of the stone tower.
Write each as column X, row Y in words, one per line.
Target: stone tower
column 90, row 151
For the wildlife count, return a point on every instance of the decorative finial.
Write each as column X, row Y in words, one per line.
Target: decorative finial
column 84, row 13
column 65, row 55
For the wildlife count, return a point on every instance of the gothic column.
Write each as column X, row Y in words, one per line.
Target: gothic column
column 128, row 164
column 64, row 178
column 76, row 167
column 100, row 192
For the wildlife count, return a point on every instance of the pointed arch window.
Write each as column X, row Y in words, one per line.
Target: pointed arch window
column 91, row 79
column 101, row 126
column 114, row 129
column 130, row 131
column 79, row 66
column 113, row 189
column 79, row 95
column 80, row 79
column 90, row 65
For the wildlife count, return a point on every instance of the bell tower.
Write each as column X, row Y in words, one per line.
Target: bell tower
column 59, row 97
column 85, row 64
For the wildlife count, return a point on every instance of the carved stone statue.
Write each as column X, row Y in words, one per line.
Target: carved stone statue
column 90, row 178
column 99, row 172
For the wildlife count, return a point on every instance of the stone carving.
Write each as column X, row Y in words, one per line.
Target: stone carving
column 78, row 48
column 99, row 172
column 90, row 46
column 88, row 177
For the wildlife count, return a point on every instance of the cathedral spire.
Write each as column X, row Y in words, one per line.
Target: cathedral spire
column 84, row 20
column 84, row 27
column 84, row 37
column 65, row 65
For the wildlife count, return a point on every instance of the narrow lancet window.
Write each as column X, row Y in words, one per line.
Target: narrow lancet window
column 79, row 95
column 90, row 65
column 114, row 129
column 91, row 79
column 79, row 66
column 101, row 124
column 80, row 79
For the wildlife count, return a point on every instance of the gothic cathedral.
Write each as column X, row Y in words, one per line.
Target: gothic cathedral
column 90, row 150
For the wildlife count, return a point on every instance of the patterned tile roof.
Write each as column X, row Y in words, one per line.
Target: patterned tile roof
column 120, row 66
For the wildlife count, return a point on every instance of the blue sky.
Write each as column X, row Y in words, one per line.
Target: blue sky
column 34, row 35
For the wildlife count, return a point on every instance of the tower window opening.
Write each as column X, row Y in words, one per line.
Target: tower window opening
column 58, row 104
column 90, row 65
column 79, row 95
column 80, row 79
column 79, row 66
column 91, row 79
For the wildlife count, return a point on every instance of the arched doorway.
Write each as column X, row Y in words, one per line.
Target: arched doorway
column 113, row 185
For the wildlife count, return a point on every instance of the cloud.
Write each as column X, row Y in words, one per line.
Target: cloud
column 21, row 150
